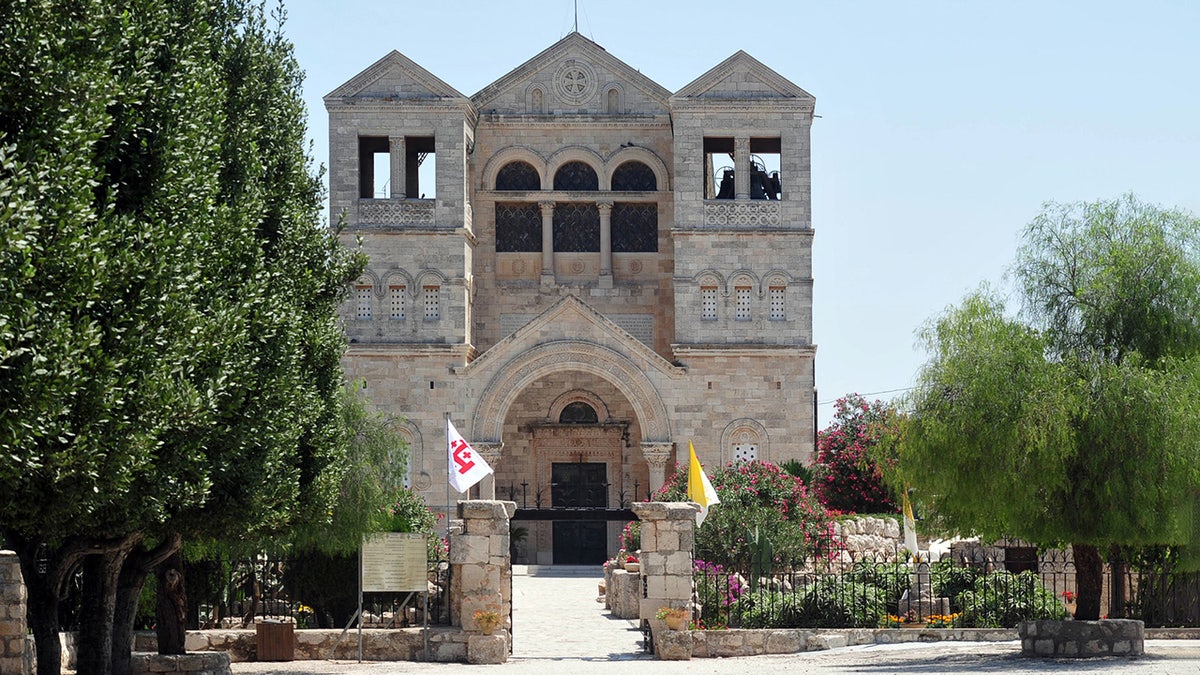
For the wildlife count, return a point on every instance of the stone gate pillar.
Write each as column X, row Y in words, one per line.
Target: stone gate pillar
column 13, row 635
column 656, row 455
column 481, row 576
column 491, row 454
column 668, row 530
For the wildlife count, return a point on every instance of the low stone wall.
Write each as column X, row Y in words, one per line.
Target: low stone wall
column 753, row 642
column 623, row 593
column 446, row 644
column 211, row 663
column 1107, row 637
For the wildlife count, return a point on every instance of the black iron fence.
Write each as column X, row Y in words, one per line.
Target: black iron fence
column 957, row 590
column 314, row 591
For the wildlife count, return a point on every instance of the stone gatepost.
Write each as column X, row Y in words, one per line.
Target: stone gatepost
column 481, row 576
column 668, row 529
column 13, row 635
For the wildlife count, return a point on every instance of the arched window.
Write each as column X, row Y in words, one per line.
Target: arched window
column 578, row 413
column 518, row 176
column 634, row 177
column 576, row 177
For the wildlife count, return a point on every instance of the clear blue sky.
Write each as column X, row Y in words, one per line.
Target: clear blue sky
column 944, row 125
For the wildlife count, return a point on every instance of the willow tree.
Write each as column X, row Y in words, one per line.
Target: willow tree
column 1077, row 419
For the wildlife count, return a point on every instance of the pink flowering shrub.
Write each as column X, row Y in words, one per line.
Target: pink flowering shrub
column 848, row 479
column 755, row 495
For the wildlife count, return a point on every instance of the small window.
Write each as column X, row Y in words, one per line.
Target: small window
column 576, row 177
column 518, row 176
column 362, row 293
column 777, row 310
column 718, row 168
column 765, row 182
column 420, row 167
column 396, row 302
column 746, row 452
column 433, row 309
column 708, row 303
column 742, row 296
column 578, row 413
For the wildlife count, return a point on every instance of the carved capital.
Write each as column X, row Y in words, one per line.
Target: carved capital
column 656, row 454
column 489, row 451
column 605, row 208
column 547, row 208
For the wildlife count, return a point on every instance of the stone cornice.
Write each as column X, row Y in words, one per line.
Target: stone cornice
column 411, row 350
column 575, row 121
column 702, row 230
column 403, row 106
column 763, row 351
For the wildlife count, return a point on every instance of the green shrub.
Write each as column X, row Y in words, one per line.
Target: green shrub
column 764, row 609
column 891, row 578
column 1003, row 599
column 950, row 580
column 834, row 603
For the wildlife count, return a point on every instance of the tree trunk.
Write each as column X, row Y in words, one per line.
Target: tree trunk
column 172, row 605
column 1089, row 579
column 42, row 613
column 101, row 571
column 134, row 572
column 1119, row 595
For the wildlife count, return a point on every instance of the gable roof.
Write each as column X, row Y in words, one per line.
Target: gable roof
column 742, row 76
column 576, row 45
column 397, row 66
column 586, row 325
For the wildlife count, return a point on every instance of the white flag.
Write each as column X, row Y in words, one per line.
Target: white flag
column 699, row 488
column 466, row 466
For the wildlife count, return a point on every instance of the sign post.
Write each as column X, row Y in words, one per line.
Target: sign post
column 392, row 562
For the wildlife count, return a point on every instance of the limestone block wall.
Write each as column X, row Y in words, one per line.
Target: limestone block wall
column 480, row 567
column 13, row 633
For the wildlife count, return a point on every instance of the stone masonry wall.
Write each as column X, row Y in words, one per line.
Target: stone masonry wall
column 668, row 530
column 481, row 576
column 13, row 640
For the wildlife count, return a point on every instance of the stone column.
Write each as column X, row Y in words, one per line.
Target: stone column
column 481, row 577
column 13, row 634
column 396, row 155
column 741, row 167
column 668, row 529
column 491, row 454
column 547, row 241
column 606, row 278
column 657, row 455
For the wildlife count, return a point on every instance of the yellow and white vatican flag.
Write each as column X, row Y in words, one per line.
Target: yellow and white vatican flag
column 699, row 489
column 466, row 466
column 910, row 527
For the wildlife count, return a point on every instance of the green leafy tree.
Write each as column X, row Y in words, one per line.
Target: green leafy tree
column 169, row 349
column 1076, row 422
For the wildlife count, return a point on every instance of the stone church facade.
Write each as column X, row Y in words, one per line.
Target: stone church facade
column 584, row 270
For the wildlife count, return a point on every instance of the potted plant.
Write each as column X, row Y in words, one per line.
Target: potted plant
column 1069, row 601
column 675, row 617
column 632, row 565
column 487, row 620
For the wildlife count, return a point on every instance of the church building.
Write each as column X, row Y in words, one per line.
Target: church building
column 585, row 271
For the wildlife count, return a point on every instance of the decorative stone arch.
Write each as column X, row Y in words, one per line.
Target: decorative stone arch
column 369, row 276
column 535, row 99
column 574, row 153
column 399, row 276
column 514, row 153
column 745, row 431
column 636, row 154
column 430, row 276
column 553, row 357
column 741, row 277
column 774, row 278
column 578, row 396
column 613, row 98
column 419, row 477
column 711, row 278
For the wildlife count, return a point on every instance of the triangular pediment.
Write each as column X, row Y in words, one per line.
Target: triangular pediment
column 742, row 76
column 562, row 70
column 571, row 319
column 395, row 77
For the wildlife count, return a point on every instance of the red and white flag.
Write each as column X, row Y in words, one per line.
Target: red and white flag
column 466, row 466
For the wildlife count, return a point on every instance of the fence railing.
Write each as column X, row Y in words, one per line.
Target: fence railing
column 954, row 591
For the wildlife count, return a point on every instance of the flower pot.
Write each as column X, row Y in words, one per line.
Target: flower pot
column 675, row 622
column 633, row 567
column 487, row 628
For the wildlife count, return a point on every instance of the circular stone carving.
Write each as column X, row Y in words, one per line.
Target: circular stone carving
column 635, row 266
column 575, row 82
column 519, row 267
column 577, row 267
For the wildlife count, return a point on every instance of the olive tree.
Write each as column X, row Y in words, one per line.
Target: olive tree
column 1077, row 419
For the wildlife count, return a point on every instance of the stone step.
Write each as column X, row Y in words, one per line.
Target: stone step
column 578, row 571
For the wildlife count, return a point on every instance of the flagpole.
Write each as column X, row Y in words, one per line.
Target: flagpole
column 447, row 478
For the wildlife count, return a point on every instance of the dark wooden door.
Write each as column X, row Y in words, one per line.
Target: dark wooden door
column 579, row 485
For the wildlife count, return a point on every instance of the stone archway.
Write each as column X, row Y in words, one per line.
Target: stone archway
column 551, row 357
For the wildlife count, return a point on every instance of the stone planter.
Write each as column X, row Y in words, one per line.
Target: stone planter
column 633, row 568
column 675, row 622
